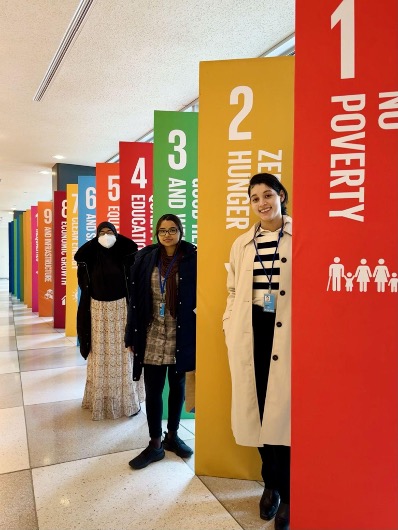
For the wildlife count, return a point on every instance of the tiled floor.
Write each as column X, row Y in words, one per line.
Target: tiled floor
column 61, row 470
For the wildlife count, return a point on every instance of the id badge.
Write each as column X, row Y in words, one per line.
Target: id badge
column 162, row 309
column 269, row 303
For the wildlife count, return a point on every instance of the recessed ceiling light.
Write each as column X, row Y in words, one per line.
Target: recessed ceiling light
column 58, row 157
column 45, row 172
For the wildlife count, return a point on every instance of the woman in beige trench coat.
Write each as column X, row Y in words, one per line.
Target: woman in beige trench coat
column 257, row 326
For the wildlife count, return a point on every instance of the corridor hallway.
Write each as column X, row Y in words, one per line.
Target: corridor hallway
column 61, row 470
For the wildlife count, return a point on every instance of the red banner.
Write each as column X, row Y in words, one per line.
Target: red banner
column 59, row 258
column 108, row 194
column 136, row 182
column 345, row 266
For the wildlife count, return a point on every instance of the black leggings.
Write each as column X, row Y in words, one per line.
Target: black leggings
column 154, row 378
column 275, row 458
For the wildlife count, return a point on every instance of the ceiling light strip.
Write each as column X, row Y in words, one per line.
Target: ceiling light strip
column 71, row 32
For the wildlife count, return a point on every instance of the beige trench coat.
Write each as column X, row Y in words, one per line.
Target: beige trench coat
column 237, row 325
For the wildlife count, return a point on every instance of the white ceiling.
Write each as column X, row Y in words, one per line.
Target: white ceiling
column 130, row 58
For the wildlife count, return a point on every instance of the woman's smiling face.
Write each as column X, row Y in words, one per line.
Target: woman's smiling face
column 266, row 204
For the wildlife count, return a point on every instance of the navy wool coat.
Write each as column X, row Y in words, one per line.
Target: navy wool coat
column 141, row 307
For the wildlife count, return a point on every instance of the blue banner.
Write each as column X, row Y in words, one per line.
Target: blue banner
column 86, row 209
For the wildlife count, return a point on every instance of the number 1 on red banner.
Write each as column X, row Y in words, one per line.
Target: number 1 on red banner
column 345, row 15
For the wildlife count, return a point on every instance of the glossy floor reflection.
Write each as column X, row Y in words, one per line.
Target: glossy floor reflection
column 59, row 470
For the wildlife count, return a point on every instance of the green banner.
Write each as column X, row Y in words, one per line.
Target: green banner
column 175, row 171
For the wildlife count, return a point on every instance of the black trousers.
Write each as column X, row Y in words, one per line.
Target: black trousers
column 275, row 458
column 154, row 379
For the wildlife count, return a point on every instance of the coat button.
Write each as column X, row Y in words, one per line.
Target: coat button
column 279, row 324
column 275, row 357
column 282, row 293
column 283, row 260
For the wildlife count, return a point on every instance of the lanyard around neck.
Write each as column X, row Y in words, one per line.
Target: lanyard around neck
column 162, row 283
column 269, row 277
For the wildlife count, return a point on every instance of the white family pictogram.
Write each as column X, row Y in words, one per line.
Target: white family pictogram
column 363, row 275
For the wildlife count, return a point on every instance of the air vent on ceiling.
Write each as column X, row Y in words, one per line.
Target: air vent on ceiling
column 71, row 32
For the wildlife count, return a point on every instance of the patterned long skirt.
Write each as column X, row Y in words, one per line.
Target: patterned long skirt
column 110, row 390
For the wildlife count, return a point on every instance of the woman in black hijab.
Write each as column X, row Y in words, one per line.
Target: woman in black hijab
column 103, row 272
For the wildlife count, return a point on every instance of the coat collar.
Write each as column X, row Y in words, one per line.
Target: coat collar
column 249, row 235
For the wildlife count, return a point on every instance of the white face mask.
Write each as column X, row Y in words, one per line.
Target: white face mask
column 107, row 240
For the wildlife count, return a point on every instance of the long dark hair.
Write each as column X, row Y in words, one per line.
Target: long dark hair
column 272, row 182
column 170, row 217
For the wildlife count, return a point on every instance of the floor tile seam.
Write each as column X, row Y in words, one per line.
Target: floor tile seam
column 26, row 426
column 50, row 402
column 49, row 368
column 220, row 502
column 16, row 345
column 15, row 471
column 14, row 407
column 91, row 457
column 34, row 497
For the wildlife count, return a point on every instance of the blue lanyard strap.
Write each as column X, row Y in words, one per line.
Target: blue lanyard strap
column 269, row 278
column 162, row 284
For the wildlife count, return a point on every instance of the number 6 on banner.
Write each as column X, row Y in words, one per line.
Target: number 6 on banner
column 90, row 198
column 345, row 14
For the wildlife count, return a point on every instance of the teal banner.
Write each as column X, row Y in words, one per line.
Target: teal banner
column 175, row 174
column 11, row 256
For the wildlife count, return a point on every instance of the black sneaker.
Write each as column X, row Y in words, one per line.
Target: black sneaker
column 176, row 445
column 148, row 455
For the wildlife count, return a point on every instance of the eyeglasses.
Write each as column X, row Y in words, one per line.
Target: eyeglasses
column 172, row 231
column 107, row 233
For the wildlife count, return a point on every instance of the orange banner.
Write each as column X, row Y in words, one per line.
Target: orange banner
column 108, row 194
column 72, row 243
column 45, row 234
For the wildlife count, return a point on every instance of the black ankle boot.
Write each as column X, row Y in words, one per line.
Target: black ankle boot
column 269, row 504
column 282, row 519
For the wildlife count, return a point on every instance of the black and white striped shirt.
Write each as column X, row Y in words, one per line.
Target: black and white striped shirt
column 266, row 245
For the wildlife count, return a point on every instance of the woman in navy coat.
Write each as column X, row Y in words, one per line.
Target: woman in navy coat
column 161, row 332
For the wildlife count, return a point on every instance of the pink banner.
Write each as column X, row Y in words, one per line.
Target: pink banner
column 59, row 257
column 35, row 259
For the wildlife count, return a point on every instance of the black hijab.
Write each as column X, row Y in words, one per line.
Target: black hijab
column 105, row 224
column 107, row 277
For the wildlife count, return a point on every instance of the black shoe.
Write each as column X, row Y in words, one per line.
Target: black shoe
column 176, row 445
column 135, row 413
column 148, row 455
column 269, row 503
column 282, row 519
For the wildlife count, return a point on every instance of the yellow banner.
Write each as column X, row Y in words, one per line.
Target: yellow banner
column 245, row 127
column 72, row 226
